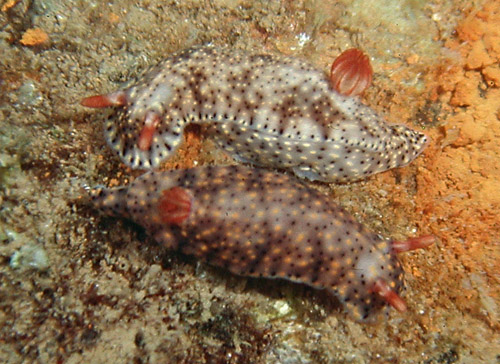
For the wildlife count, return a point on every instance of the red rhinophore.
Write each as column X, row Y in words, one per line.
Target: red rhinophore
column 413, row 243
column 118, row 98
column 174, row 205
column 351, row 73
column 148, row 130
column 382, row 288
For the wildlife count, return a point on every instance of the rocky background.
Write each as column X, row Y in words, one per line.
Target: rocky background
column 79, row 287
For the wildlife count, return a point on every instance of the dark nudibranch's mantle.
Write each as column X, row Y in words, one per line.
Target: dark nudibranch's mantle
column 259, row 223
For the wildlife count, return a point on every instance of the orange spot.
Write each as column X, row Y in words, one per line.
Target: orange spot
column 113, row 18
column 351, row 73
column 174, row 205
column 9, row 4
column 34, row 37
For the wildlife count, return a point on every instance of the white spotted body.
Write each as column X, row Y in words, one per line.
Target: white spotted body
column 268, row 110
column 259, row 223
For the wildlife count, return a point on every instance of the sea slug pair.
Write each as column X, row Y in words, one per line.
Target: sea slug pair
column 267, row 110
column 271, row 111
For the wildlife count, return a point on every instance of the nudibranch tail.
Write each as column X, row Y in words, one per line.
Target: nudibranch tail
column 112, row 201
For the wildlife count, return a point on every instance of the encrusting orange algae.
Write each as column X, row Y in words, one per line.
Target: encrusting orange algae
column 459, row 200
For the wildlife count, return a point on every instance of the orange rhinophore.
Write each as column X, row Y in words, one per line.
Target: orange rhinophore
column 413, row 243
column 382, row 288
column 148, row 131
column 118, row 98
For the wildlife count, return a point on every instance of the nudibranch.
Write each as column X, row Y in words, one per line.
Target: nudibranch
column 259, row 223
column 267, row 110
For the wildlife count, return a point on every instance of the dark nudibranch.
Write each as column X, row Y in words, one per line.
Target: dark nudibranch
column 258, row 223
